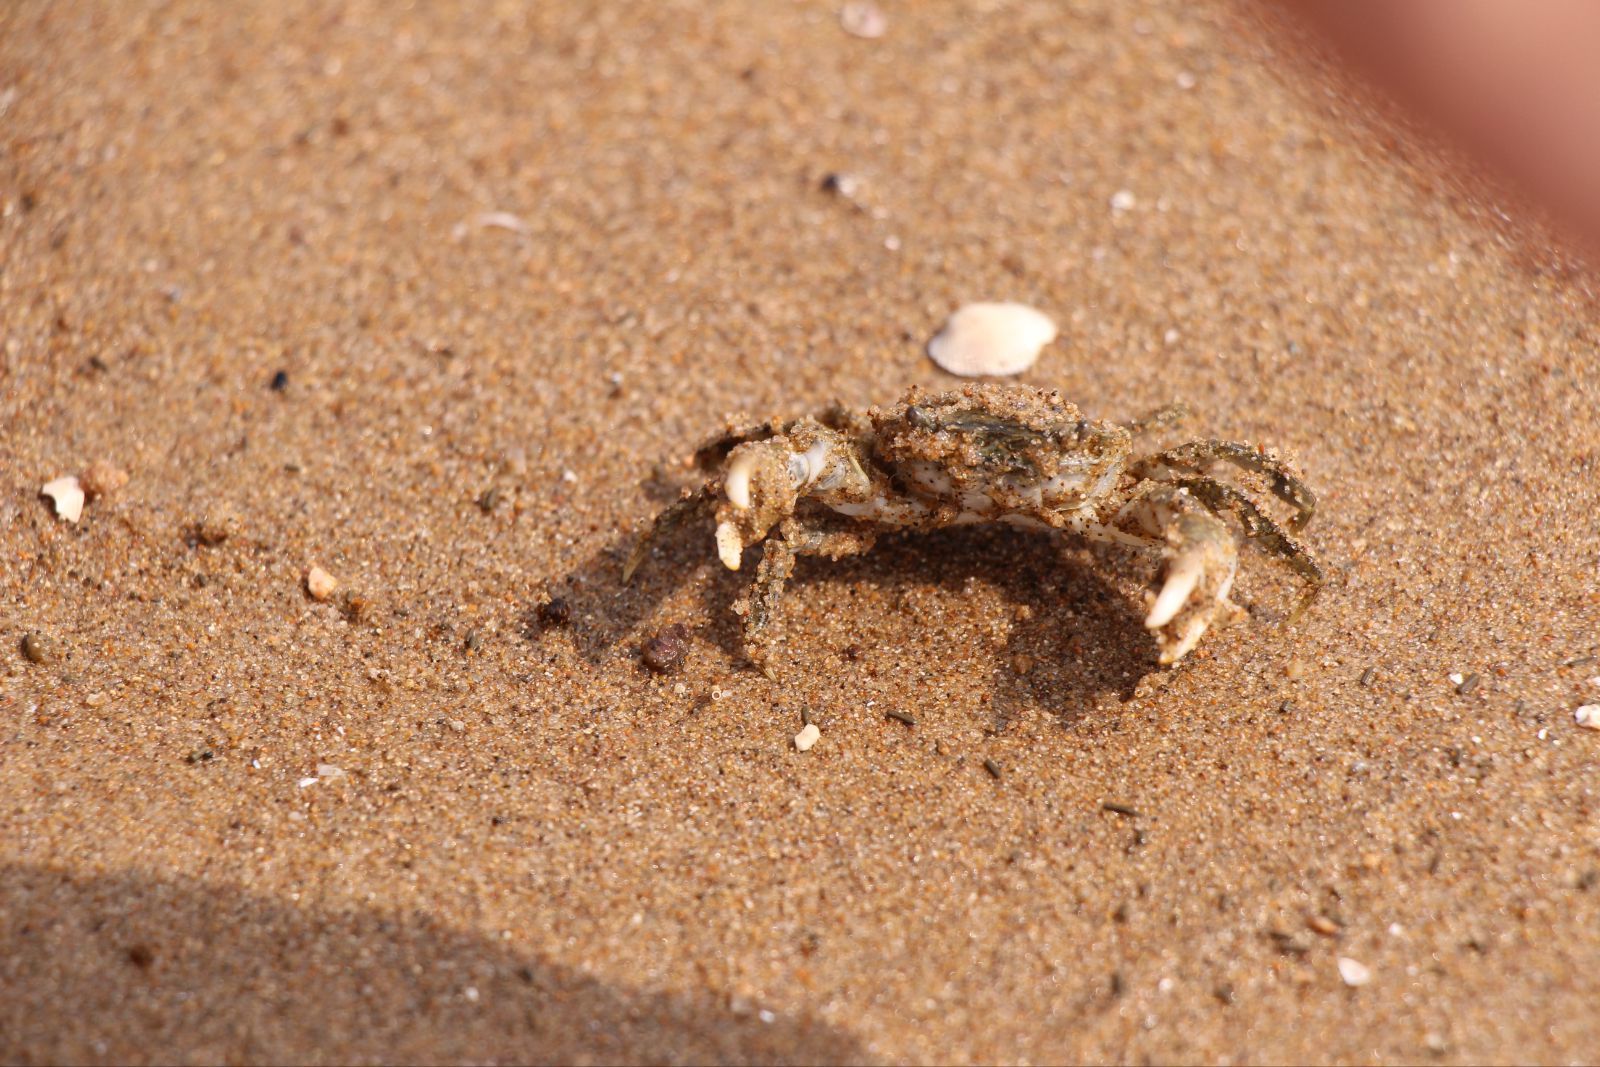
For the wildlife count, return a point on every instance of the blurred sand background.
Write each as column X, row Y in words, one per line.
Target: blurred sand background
column 536, row 850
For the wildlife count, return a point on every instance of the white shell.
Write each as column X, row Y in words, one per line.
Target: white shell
column 991, row 340
column 68, row 497
column 1588, row 716
column 1353, row 973
column 807, row 737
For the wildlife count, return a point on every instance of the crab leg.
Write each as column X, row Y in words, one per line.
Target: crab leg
column 687, row 507
column 795, row 538
column 1220, row 498
column 1284, row 484
column 760, row 608
column 1160, row 419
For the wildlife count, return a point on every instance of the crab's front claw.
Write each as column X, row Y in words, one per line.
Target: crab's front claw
column 730, row 546
column 760, row 487
column 1201, row 560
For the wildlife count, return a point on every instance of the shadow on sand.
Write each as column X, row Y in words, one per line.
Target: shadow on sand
column 1079, row 633
column 139, row 969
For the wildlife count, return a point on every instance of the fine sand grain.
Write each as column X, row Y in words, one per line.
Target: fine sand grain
column 436, row 297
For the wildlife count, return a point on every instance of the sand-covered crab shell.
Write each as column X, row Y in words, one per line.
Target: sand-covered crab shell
column 830, row 484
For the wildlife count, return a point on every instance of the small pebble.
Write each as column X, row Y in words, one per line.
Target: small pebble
column 1122, row 200
column 1353, row 974
column 993, row 768
column 842, row 184
column 1467, row 684
column 807, row 737
column 1457, row 678
column 355, row 608
column 861, row 18
column 319, row 583
column 102, row 479
column 664, row 652
column 280, row 381
column 1323, row 925
column 554, row 612
column 1022, row 665
column 68, row 497
column 981, row 340
column 1587, row 716
column 39, row 649
column 458, row 726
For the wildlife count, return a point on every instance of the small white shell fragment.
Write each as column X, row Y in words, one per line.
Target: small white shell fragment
column 307, row 783
column 1588, row 716
column 320, row 584
column 68, row 497
column 1122, row 200
column 862, row 18
column 984, row 339
column 328, row 770
column 807, row 737
column 1354, row 974
column 1457, row 678
column 500, row 220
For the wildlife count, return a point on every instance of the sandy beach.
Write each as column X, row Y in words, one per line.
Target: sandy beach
column 440, row 297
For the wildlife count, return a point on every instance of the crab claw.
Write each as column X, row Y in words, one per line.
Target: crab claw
column 730, row 547
column 760, row 488
column 1201, row 560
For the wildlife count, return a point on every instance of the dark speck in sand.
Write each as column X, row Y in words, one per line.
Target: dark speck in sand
column 280, row 381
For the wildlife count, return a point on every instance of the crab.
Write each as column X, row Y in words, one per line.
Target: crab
column 833, row 483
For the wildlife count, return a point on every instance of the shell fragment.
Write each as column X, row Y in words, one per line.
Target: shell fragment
column 991, row 340
column 68, row 497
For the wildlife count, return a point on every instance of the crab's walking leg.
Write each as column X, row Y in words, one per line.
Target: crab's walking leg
column 1222, row 498
column 715, row 449
column 794, row 538
column 687, row 507
column 1284, row 483
column 1160, row 419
